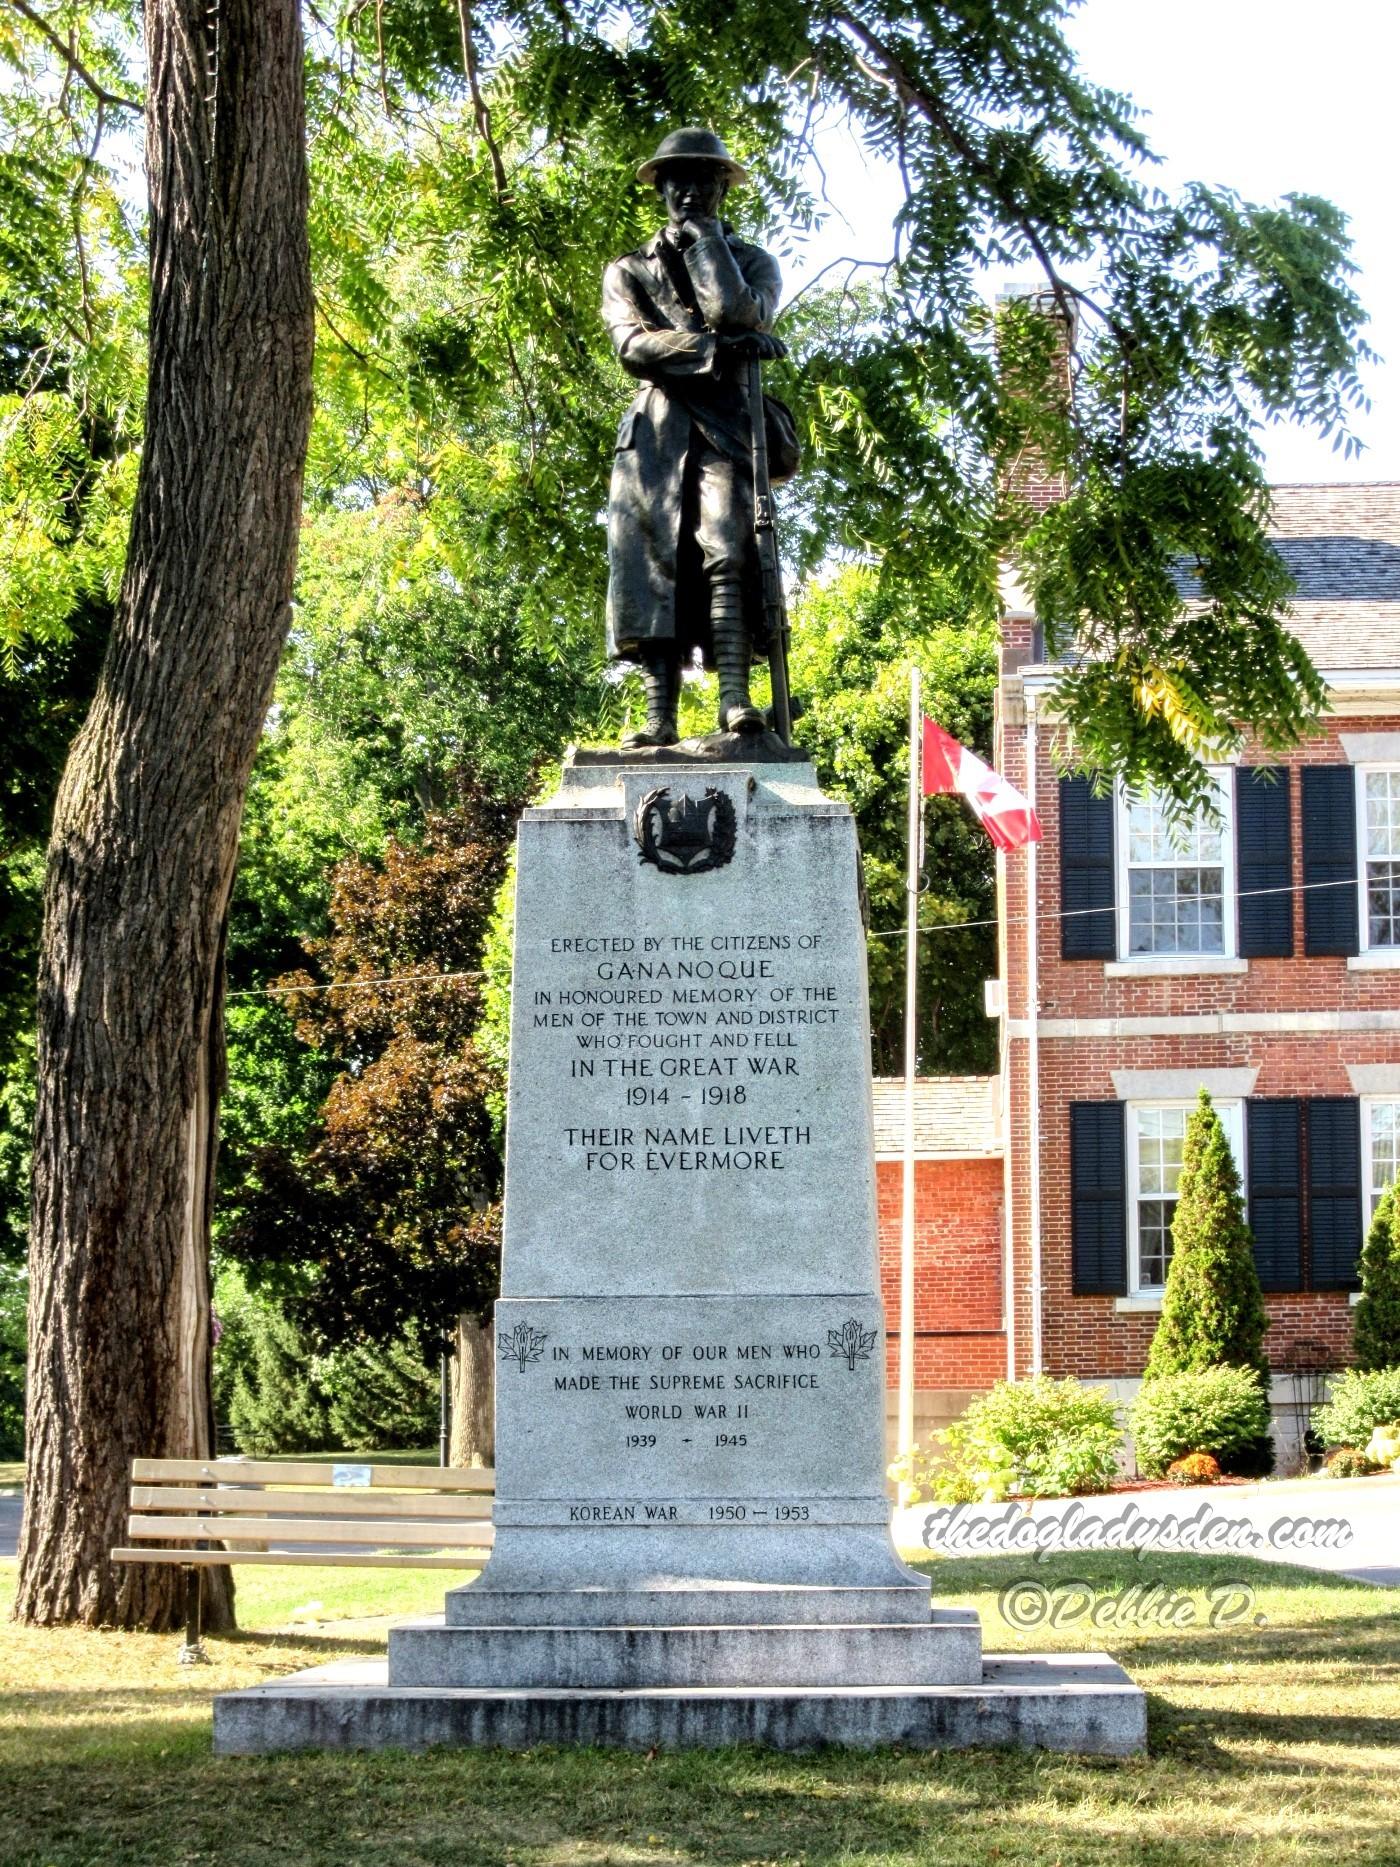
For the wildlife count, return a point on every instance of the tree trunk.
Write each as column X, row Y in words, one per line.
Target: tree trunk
column 145, row 833
column 473, row 1394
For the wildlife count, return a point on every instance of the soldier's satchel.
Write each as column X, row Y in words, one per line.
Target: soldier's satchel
column 780, row 430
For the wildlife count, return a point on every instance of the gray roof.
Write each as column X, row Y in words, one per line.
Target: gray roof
column 955, row 1117
column 1342, row 544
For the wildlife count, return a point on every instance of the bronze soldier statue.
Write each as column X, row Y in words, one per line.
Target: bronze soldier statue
column 688, row 315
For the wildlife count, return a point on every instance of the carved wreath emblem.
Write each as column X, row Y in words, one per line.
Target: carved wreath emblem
column 685, row 835
column 851, row 1342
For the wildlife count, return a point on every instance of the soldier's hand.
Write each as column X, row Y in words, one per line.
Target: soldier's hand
column 754, row 346
column 697, row 227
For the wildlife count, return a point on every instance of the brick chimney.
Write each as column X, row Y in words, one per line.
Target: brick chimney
column 1026, row 478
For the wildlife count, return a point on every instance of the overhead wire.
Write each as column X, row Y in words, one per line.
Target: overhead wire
column 890, row 933
column 1067, row 914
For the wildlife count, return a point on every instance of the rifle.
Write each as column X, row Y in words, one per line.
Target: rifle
column 766, row 539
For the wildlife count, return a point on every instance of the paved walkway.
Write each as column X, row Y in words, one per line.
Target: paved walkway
column 1348, row 1526
column 11, row 1509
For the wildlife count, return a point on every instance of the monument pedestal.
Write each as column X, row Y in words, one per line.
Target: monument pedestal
column 692, row 1533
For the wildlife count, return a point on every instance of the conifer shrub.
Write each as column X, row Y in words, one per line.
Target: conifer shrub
column 1212, row 1307
column 275, row 1395
column 274, row 1401
column 1361, row 1400
column 380, row 1397
column 1218, row 1410
column 1375, row 1321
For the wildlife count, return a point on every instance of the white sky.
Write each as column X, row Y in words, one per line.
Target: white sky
column 1268, row 97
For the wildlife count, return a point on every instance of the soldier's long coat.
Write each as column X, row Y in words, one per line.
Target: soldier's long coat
column 665, row 311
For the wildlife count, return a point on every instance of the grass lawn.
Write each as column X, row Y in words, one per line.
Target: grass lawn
column 1273, row 1741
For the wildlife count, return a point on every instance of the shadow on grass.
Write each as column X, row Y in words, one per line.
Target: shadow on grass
column 309, row 1645
column 835, row 1809
column 1240, row 1621
column 1218, row 1726
column 953, row 1575
column 1237, row 1716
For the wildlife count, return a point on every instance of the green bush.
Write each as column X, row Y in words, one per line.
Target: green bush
column 1384, row 1446
column 1036, row 1438
column 379, row 1398
column 1361, row 1400
column 1375, row 1322
column 1212, row 1307
column 13, row 1286
column 1347, row 1462
column 1222, row 1411
column 273, row 1400
column 275, row 1395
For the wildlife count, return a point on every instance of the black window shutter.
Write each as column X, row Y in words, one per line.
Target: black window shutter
column 1334, row 1191
column 1330, row 920
column 1098, row 1199
column 1264, row 863
column 1087, row 906
column 1273, row 1149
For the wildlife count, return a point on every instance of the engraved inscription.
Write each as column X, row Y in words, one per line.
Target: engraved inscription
column 726, row 1402
column 691, row 1053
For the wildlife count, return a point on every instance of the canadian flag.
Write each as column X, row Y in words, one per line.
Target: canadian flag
column 1004, row 814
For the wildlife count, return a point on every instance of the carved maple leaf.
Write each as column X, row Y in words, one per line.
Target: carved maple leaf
column 851, row 1342
column 522, row 1345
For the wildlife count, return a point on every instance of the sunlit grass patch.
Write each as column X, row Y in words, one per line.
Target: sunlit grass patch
column 1272, row 1740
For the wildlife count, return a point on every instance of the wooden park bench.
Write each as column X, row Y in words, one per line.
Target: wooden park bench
column 204, row 1514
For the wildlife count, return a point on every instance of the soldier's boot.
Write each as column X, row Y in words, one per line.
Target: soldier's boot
column 661, row 682
column 737, row 712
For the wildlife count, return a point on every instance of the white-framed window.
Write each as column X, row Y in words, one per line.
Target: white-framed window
column 1156, row 1136
column 1176, row 879
column 1380, row 1146
column 1378, row 864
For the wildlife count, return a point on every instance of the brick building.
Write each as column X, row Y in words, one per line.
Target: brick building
column 959, row 1316
column 1259, row 957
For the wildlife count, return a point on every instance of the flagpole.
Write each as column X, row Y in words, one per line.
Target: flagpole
column 904, row 1435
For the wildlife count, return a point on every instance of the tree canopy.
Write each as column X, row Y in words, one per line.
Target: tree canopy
column 384, row 1215
column 472, row 172
column 1188, row 319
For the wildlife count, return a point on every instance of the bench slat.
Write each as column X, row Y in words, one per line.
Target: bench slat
column 327, row 1559
column 262, row 1501
column 310, row 1472
column 309, row 1530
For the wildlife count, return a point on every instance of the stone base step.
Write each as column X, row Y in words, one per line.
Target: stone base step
column 1079, row 1702
column 945, row 1650
column 710, row 1604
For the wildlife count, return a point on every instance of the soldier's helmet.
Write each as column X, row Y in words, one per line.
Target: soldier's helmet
column 692, row 145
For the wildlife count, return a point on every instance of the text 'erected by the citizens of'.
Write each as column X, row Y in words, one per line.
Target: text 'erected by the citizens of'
column 692, row 1047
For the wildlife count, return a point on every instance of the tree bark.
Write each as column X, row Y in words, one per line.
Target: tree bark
column 145, row 833
column 473, row 1440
